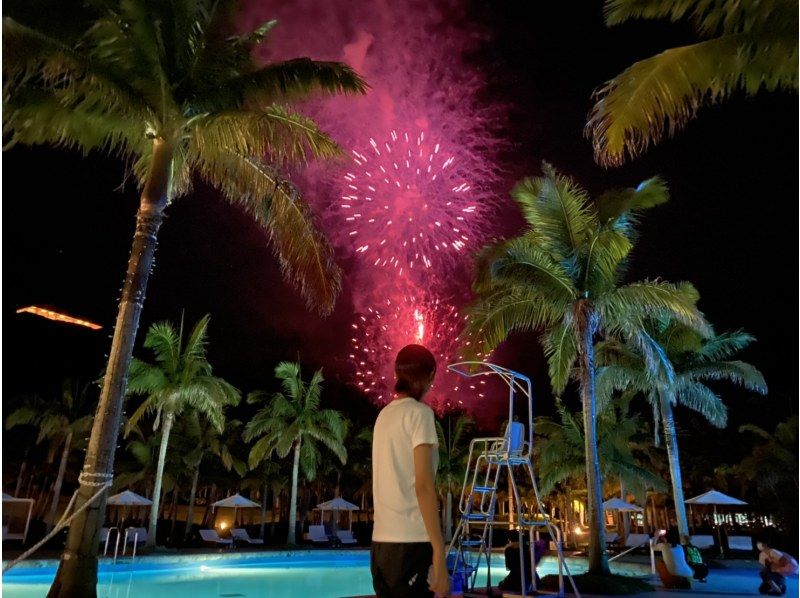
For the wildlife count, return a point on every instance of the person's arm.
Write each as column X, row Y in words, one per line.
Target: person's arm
column 426, row 498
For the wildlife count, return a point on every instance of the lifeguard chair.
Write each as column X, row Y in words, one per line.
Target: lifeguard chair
column 488, row 458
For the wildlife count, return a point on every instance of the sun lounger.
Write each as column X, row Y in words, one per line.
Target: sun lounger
column 103, row 535
column 137, row 534
column 242, row 536
column 703, row 542
column 744, row 543
column 636, row 540
column 316, row 533
column 346, row 537
column 612, row 538
column 211, row 536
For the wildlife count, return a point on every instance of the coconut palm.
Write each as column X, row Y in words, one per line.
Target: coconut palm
column 62, row 423
column 453, row 452
column 180, row 381
column 745, row 46
column 292, row 421
column 695, row 362
column 168, row 86
column 562, row 276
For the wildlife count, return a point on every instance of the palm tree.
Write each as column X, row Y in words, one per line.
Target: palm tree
column 166, row 85
column 695, row 361
column 562, row 275
column 453, row 452
column 745, row 46
column 293, row 421
column 59, row 422
column 180, row 381
column 208, row 440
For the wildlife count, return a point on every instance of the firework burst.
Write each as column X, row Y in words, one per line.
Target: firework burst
column 407, row 203
column 387, row 327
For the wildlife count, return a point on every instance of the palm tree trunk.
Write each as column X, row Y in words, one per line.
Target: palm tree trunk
column 626, row 518
column 276, row 511
column 264, row 509
column 22, row 469
column 62, row 467
column 77, row 572
column 190, row 512
column 586, row 327
column 290, row 537
column 162, row 457
column 176, row 497
column 448, row 522
column 674, row 464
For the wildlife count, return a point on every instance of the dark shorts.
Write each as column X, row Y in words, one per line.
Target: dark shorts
column 400, row 570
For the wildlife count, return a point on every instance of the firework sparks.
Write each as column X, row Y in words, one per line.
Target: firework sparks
column 406, row 203
column 383, row 330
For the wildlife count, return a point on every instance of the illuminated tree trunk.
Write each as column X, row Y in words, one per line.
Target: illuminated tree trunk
column 290, row 537
column 587, row 323
column 62, row 467
column 668, row 422
column 162, row 457
column 77, row 571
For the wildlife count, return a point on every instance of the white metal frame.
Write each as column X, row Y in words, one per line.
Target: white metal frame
column 477, row 504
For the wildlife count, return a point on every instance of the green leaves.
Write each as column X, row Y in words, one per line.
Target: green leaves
column 756, row 48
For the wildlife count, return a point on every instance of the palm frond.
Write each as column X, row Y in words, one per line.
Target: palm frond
column 557, row 209
column 145, row 378
column 306, row 257
column 22, row 417
column 164, row 340
column 648, row 194
column 725, row 345
column 737, row 372
column 561, row 350
column 659, row 95
column 698, row 397
column 525, row 263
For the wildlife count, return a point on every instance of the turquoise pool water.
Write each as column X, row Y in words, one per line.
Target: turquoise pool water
column 302, row 574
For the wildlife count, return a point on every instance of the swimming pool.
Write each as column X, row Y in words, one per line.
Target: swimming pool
column 302, row 574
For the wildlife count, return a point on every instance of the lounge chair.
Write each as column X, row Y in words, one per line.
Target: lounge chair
column 137, row 534
column 316, row 533
column 242, row 536
column 103, row 535
column 346, row 537
column 612, row 538
column 744, row 543
column 211, row 536
column 703, row 542
column 636, row 540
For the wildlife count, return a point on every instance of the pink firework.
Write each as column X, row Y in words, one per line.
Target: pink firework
column 407, row 204
column 384, row 329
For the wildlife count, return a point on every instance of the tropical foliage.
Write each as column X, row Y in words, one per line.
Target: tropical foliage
column 292, row 421
column 692, row 362
column 169, row 87
column 563, row 276
column 744, row 46
column 179, row 381
column 453, row 454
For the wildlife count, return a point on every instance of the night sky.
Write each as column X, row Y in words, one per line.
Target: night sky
column 730, row 228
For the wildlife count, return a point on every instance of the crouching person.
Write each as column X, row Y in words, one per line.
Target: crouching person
column 775, row 566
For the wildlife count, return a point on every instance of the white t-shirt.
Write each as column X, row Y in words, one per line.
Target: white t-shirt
column 401, row 426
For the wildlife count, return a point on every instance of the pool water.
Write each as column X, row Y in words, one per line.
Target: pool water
column 312, row 574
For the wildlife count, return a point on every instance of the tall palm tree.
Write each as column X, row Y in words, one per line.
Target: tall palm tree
column 62, row 423
column 453, row 452
column 695, row 361
column 179, row 381
column 169, row 87
column 292, row 421
column 745, row 46
column 562, row 275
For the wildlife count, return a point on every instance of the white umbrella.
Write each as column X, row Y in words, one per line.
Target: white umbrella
column 237, row 501
column 714, row 497
column 617, row 504
column 128, row 499
column 337, row 504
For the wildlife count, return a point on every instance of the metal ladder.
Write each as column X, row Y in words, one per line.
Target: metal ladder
column 488, row 459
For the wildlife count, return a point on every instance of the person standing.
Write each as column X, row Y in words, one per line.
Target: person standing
column 407, row 558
